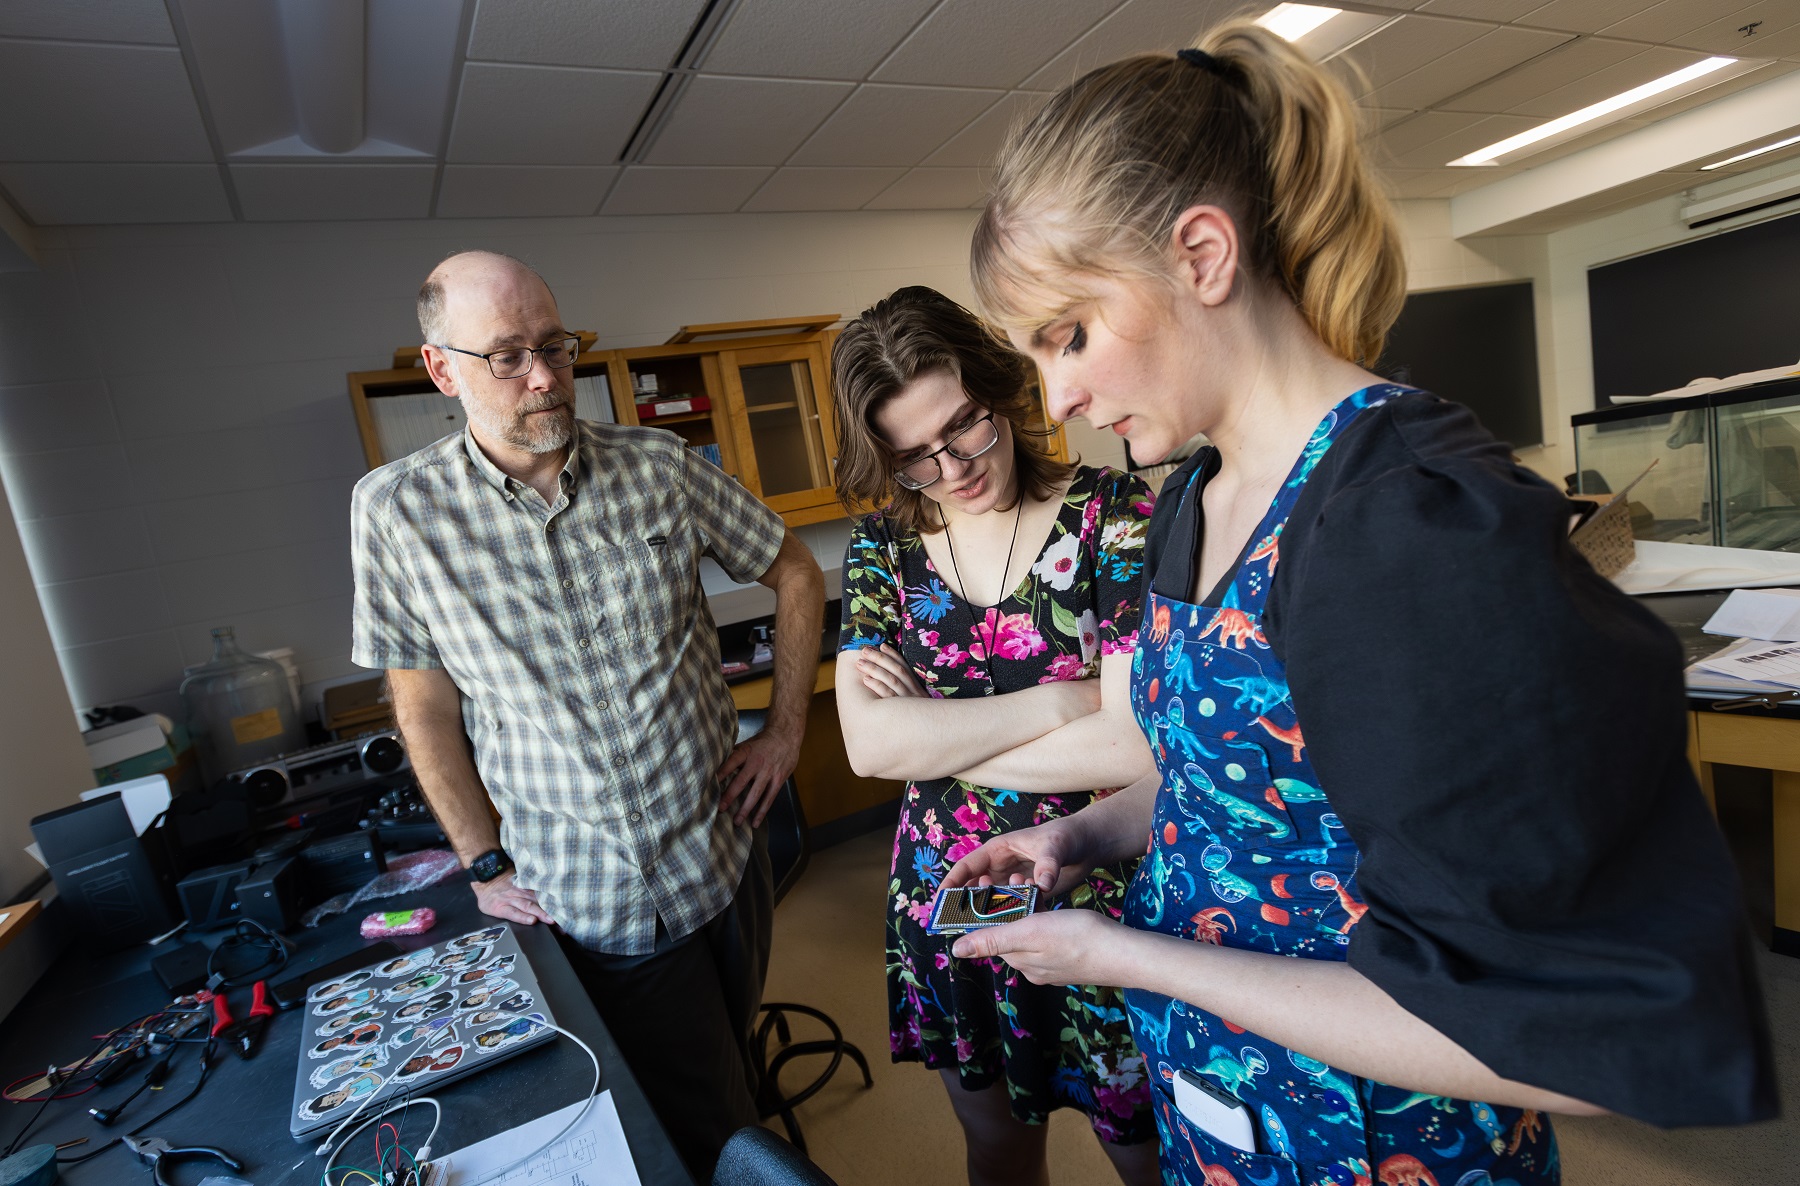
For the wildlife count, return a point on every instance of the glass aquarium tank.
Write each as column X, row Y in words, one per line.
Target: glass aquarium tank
column 1727, row 465
column 1758, row 451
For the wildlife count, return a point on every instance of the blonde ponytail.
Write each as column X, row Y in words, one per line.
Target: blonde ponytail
column 1094, row 183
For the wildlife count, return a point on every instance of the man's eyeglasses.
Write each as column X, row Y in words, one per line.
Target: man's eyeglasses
column 515, row 361
column 966, row 445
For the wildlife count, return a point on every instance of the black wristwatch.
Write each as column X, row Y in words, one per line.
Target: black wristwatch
column 489, row 865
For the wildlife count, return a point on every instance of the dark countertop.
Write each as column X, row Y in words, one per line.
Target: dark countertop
column 1686, row 614
column 737, row 643
column 245, row 1106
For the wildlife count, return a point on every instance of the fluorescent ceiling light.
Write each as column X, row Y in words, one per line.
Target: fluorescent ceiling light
column 1744, row 156
column 1587, row 115
column 1294, row 21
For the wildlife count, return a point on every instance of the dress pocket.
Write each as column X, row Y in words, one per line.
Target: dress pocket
column 1199, row 1160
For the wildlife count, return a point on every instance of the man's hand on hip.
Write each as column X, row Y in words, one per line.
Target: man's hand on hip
column 502, row 899
column 753, row 773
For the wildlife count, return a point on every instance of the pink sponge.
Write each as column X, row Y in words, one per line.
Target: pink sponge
column 399, row 922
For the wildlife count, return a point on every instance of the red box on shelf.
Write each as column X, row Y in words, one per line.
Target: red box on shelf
column 673, row 406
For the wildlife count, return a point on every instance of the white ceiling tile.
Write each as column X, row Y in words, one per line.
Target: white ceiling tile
column 307, row 193
column 1595, row 85
column 1374, row 119
column 523, row 191
column 544, row 115
column 990, row 42
column 934, row 189
column 72, row 194
column 672, row 189
column 97, row 103
column 1583, row 16
column 1468, row 66
column 1724, row 35
column 821, row 189
column 812, row 38
column 980, row 142
column 892, row 125
column 1487, row 10
column 1541, row 76
column 145, row 22
column 1138, row 27
column 1785, row 44
column 1401, row 48
column 1434, row 138
column 743, row 121
column 1666, row 20
column 242, row 61
column 626, row 34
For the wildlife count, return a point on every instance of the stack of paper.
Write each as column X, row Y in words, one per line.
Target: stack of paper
column 1749, row 666
column 1765, row 624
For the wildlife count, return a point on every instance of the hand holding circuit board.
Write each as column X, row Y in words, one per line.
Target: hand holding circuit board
column 974, row 907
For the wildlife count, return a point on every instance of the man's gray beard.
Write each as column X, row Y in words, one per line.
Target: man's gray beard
column 517, row 431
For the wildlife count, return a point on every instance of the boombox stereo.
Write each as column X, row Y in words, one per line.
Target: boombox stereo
column 322, row 769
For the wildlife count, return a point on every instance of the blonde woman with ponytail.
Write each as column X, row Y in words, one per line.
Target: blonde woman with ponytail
column 1426, row 859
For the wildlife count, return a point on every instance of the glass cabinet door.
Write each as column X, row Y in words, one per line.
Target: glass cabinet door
column 779, row 401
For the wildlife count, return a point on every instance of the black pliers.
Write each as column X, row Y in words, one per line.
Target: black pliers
column 155, row 1150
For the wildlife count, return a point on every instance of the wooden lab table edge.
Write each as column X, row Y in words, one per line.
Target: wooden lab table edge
column 18, row 916
column 754, row 693
column 1770, row 743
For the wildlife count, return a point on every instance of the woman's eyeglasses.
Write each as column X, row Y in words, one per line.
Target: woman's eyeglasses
column 966, row 445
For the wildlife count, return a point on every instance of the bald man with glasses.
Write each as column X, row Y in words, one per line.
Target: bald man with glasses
column 531, row 587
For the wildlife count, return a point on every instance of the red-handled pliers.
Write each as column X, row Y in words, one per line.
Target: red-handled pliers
column 243, row 1035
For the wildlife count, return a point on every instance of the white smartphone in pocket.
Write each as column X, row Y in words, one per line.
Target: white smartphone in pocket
column 1217, row 1113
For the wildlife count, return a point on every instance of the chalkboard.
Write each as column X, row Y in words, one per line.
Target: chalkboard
column 1477, row 346
column 1710, row 308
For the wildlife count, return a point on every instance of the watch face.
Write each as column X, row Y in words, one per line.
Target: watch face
column 488, row 866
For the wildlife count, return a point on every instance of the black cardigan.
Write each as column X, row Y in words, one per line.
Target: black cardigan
column 1503, row 733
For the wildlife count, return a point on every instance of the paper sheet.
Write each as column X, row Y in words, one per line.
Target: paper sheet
column 1707, row 683
column 1772, row 615
column 1768, row 662
column 1688, row 568
column 593, row 1153
column 145, row 798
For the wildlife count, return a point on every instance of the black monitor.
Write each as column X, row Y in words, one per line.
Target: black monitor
column 1477, row 346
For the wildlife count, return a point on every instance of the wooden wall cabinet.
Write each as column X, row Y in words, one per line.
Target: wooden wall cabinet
column 766, row 386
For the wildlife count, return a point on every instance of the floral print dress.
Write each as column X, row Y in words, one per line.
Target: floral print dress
column 1052, row 1046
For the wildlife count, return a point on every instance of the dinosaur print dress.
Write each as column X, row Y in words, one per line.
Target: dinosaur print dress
column 1246, row 851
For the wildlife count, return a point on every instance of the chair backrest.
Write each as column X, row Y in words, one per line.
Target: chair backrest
column 790, row 844
column 754, row 1156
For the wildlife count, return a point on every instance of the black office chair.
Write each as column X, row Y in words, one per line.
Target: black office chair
column 757, row 1157
column 790, row 847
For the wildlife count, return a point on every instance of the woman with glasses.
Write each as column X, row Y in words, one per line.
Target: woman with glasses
column 990, row 610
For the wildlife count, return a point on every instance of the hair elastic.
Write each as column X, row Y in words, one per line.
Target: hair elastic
column 1202, row 59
